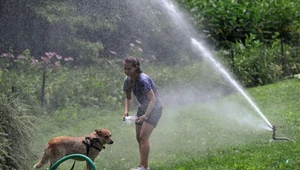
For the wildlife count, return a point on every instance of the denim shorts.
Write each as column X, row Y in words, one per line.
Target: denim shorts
column 153, row 118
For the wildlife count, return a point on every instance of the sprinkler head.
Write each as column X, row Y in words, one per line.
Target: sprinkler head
column 277, row 138
column 274, row 130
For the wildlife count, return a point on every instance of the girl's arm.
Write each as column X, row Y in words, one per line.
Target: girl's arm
column 127, row 104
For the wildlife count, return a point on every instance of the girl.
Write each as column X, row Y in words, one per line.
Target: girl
column 149, row 110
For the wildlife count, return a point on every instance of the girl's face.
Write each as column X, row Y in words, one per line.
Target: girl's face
column 129, row 69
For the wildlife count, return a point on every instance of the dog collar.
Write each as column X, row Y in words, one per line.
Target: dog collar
column 90, row 143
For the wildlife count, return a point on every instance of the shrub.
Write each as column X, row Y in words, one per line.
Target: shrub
column 16, row 130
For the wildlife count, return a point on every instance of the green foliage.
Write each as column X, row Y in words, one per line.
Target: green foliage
column 261, row 36
column 233, row 20
column 16, row 130
column 91, row 30
column 67, row 24
column 18, row 76
column 87, row 87
column 255, row 63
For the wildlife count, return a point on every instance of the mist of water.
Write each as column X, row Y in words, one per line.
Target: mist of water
column 180, row 21
column 206, row 53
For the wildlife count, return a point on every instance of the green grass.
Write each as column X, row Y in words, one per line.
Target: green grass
column 220, row 134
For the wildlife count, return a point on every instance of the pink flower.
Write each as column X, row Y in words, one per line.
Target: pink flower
column 9, row 55
column 45, row 59
column 57, row 64
column 20, row 57
column 153, row 57
column 59, row 57
column 131, row 45
column 68, row 59
column 50, row 54
column 35, row 61
column 113, row 52
column 137, row 41
column 140, row 49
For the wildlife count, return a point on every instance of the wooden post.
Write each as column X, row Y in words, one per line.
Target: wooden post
column 284, row 60
column 43, row 89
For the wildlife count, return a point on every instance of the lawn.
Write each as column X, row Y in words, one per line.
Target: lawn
column 222, row 133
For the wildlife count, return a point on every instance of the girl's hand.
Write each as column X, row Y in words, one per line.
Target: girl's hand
column 141, row 119
column 124, row 115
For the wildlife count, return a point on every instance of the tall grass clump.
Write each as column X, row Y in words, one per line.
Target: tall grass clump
column 16, row 130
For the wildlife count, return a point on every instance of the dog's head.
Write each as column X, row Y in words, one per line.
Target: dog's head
column 104, row 136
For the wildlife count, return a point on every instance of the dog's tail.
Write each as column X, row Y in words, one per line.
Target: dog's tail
column 44, row 159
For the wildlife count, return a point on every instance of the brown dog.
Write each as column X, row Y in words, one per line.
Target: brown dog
column 61, row 146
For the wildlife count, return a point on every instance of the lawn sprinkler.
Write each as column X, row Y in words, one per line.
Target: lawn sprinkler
column 277, row 138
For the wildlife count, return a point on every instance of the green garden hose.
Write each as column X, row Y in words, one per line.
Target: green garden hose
column 54, row 166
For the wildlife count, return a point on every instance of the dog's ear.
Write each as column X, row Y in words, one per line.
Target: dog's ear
column 99, row 132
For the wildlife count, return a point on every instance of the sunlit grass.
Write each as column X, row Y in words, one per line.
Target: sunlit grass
column 219, row 134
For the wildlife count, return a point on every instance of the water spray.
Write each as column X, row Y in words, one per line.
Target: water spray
column 130, row 119
column 177, row 17
column 222, row 70
column 274, row 135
